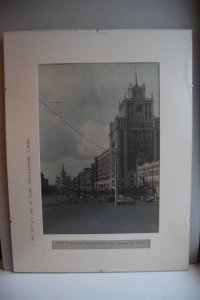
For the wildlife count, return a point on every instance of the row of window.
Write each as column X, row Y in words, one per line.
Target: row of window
column 153, row 184
column 149, row 173
column 139, row 133
column 140, row 124
column 144, row 117
column 137, row 124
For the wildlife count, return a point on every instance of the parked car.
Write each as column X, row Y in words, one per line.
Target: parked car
column 82, row 196
column 126, row 200
column 110, row 199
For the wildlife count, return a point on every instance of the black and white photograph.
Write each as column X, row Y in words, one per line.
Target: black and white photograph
column 99, row 176
column 99, row 147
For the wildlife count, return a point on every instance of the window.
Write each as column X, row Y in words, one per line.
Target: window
column 131, row 135
column 140, row 135
column 139, row 108
column 149, row 135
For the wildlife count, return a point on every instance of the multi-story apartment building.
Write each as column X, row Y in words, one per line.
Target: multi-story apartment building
column 85, row 180
column 134, row 134
column 103, row 171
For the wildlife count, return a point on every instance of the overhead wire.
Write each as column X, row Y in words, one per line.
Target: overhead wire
column 78, row 132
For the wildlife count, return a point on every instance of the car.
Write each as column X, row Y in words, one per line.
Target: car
column 82, row 196
column 110, row 199
column 126, row 200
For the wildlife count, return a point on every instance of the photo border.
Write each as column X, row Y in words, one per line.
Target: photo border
column 23, row 51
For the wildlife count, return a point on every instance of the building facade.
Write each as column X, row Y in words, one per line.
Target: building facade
column 84, row 182
column 149, row 178
column 134, row 134
column 103, row 171
column 44, row 185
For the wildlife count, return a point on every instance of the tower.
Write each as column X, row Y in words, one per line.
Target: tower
column 134, row 133
column 62, row 180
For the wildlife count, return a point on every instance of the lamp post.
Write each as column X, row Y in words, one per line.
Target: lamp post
column 152, row 180
column 115, row 152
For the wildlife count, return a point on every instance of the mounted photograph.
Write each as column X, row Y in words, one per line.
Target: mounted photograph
column 94, row 182
column 99, row 147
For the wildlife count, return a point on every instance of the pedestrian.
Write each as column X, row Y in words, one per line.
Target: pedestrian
column 86, row 201
column 67, row 195
column 70, row 199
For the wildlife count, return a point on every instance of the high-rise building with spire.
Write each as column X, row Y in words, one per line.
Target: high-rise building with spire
column 134, row 134
column 63, row 181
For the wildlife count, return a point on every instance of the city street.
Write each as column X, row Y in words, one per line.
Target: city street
column 97, row 216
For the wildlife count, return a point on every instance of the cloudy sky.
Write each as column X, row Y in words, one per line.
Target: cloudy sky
column 83, row 98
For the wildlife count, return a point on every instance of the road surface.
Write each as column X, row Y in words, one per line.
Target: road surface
column 97, row 216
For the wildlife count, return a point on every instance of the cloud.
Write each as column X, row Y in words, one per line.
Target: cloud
column 97, row 134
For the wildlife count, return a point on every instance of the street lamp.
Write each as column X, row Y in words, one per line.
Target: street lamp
column 152, row 179
column 115, row 152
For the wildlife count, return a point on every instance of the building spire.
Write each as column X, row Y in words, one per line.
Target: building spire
column 136, row 76
column 62, row 166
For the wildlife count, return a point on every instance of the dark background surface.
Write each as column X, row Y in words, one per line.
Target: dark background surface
column 18, row 15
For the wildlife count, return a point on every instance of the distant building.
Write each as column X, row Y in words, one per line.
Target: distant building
column 76, row 183
column 63, row 181
column 85, row 180
column 103, row 171
column 148, row 177
column 44, row 185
